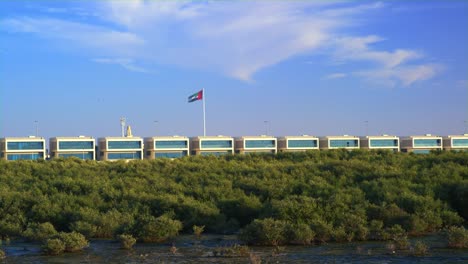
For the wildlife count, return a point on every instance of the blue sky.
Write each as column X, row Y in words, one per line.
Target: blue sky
column 306, row 67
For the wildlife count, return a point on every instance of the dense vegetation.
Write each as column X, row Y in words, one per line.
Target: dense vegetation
column 294, row 198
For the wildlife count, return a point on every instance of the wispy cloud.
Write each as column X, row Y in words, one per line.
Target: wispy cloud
column 347, row 11
column 128, row 64
column 337, row 75
column 55, row 10
column 391, row 68
column 404, row 75
column 237, row 38
column 357, row 48
column 462, row 83
column 103, row 39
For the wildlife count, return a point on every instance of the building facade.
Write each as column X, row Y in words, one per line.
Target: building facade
column 211, row 145
column 421, row 144
column 256, row 144
column 80, row 147
column 339, row 142
column 297, row 143
column 166, row 147
column 381, row 142
column 456, row 142
column 120, row 148
column 23, row 148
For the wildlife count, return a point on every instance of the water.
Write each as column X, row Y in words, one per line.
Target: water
column 208, row 248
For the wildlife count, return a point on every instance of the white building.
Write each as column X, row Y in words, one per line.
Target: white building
column 121, row 148
column 80, row 147
column 456, row 142
column 339, row 142
column 256, row 144
column 381, row 142
column 166, row 147
column 421, row 144
column 212, row 145
column 298, row 143
column 22, row 148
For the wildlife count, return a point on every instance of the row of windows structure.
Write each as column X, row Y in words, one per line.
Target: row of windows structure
column 129, row 148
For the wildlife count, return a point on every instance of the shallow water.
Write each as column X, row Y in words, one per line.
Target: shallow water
column 204, row 250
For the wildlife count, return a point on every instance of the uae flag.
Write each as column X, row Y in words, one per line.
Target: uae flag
column 196, row 96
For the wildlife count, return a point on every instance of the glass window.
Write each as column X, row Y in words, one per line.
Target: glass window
column 83, row 155
column 171, row 155
column 75, row 145
column 32, row 156
column 430, row 142
column 384, row 142
column 124, row 155
column 302, row 143
column 124, row 144
column 460, row 142
column 257, row 151
column 343, row 143
column 259, row 143
column 170, row 144
column 214, row 153
column 25, row 145
column 216, row 143
column 421, row 151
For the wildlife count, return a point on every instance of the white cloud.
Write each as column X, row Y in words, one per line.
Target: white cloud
column 136, row 14
column 126, row 63
column 411, row 74
column 55, row 10
column 390, row 68
column 462, row 83
column 237, row 38
column 357, row 48
column 96, row 37
column 337, row 75
column 404, row 75
column 346, row 11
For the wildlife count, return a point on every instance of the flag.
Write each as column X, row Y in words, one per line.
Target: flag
column 196, row 96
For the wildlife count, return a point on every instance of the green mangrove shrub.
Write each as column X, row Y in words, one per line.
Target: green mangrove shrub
column 420, row 248
column 457, row 237
column 54, row 246
column 73, row 241
column 198, row 230
column 340, row 195
column 268, row 232
column 126, row 241
column 85, row 228
column 299, row 234
column 39, row 232
column 160, row 229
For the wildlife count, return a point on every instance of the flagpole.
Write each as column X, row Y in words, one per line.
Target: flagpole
column 204, row 118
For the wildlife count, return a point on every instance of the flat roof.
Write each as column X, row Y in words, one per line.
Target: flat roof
column 212, row 137
column 378, row 137
column 341, row 137
column 458, row 136
column 169, row 138
column 423, row 136
column 30, row 138
column 79, row 137
column 257, row 137
column 121, row 138
column 299, row 137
